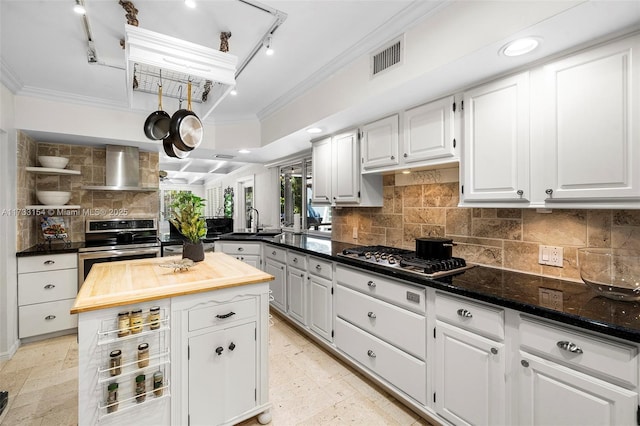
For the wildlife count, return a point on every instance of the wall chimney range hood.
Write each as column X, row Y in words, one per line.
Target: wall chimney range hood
column 122, row 169
column 150, row 54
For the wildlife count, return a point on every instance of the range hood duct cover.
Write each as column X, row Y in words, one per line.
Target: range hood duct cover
column 148, row 53
column 123, row 166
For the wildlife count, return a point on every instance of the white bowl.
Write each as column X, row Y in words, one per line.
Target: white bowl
column 53, row 162
column 53, row 198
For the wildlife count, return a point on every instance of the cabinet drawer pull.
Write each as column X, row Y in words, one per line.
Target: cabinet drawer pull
column 219, row 350
column 230, row 314
column 50, row 317
column 371, row 315
column 371, row 284
column 49, row 262
column 232, row 346
column 240, row 248
column 295, row 260
column 569, row 347
column 49, row 286
column 371, row 353
column 464, row 313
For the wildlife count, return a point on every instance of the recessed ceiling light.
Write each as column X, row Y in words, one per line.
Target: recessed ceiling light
column 244, row 151
column 520, row 46
column 79, row 8
column 314, row 130
column 233, row 92
column 190, row 3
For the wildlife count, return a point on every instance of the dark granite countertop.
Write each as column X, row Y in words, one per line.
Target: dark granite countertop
column 581, row 307
column 53, row 248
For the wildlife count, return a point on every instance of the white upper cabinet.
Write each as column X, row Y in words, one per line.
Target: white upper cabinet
column 345, row 184
column 496, row 143
column 591, row 128
column 430, row 131
column 380, row 143
column 321, row 170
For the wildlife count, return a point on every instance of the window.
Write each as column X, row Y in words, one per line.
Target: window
column 296, row 190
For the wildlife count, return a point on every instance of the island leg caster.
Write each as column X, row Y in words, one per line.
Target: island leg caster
column 265, row 417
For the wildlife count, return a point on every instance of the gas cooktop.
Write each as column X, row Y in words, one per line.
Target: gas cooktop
column 407, row 260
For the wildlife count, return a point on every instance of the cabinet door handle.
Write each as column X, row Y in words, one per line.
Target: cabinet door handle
column 219, row 350
column 464, row 313
column 50, row 317
column 49, row 286
column 49, row 262
column 494, row 351
column 405, row 155
column 393, row 157
column 524, row 363
column 240, row 248
column 371, row 284
column 520, row 193
column 371, row 353
column 282, row 267
column 371, row 315
column 232, row 346
column 549, row 192
column 230, row 314
column 569, row 347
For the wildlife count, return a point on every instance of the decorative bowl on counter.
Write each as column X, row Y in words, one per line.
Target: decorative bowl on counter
column 53, row 198
column 53, row 162
column 612, row 273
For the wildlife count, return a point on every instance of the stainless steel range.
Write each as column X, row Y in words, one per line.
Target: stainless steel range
column 117, row 239
column 407, row 260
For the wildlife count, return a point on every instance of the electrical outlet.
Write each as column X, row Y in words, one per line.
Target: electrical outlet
column 355, row 232
column 550, row 255
column 550, row 298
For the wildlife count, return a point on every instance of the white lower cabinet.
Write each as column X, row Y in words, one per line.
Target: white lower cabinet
column 248, row 252
column 320, row 305
column 297, row 294
column 278, row 285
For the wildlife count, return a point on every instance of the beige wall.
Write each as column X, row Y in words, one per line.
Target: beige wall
column 91, row 162
column 425, row 204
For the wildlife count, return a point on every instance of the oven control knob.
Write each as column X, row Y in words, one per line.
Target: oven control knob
column 429, row 269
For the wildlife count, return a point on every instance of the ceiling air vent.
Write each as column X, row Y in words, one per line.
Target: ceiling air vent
column 388, row 57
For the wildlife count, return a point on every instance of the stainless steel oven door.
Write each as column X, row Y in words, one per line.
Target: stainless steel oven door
column 87, row 259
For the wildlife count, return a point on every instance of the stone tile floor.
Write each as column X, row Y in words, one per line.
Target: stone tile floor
column 308, row 386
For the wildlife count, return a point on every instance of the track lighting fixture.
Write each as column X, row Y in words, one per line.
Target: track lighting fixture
column 79, row 8
column 267, row 43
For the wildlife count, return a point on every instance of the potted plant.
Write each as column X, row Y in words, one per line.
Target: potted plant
column 187, row 215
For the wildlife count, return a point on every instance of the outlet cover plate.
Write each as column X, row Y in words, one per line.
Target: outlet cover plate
column 551, row 255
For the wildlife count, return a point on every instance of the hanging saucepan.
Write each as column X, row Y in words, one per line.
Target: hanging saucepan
column 434, row 248
column 185, row 129
column 156, row 126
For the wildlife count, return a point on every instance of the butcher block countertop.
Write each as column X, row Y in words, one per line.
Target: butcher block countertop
column 126, row 282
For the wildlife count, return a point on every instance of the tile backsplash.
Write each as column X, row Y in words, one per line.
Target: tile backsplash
column 425, row 203
column 90, row 161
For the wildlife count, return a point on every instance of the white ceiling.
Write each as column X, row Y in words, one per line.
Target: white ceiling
column 43, row 53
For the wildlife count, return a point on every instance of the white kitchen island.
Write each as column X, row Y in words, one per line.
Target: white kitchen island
column 209, row 345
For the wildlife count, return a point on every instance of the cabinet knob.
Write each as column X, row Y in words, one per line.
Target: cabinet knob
column 50, row 317
column 524, row 363
column 326, row 198
column 295, row 260
column 49, row 262
column 494, row 351
column 232, row 346
column 371, row 284
column 393, row 157
column 225, row 316
column 240, row 248
column 520, row 192
column 405, row 155
column 282, row 267
column 569, row 347
column 464, row 313
column 318, row 267
column 219, row 350
column 549, row 192
column 49, row 286
column 371, row 353
column 273, row 253
column 371, row 315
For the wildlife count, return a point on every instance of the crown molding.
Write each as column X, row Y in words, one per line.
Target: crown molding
column 8, row 78
column 394, row 27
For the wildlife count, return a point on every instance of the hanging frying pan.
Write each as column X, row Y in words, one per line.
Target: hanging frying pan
column 185, row 128
column 156, row 126
column 171, row 150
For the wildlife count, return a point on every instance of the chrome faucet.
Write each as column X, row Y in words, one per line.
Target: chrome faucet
column 256, row 224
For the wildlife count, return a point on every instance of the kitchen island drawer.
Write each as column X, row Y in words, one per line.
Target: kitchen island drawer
column 222, row 313
column 482, row 319
column 47, row 262
column 276, row 253
column 321, row 268
column 47, row 317
column 400, row 327
column 297, row 260
column 395, row 292
column 402, row 370
column 238, row 248
column 39, row 287
column 592, row 354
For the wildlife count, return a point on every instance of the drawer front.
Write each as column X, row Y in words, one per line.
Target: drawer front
column 321, row 268
column 47, row 317
column 397, row 293
column 276, row 253
column 39, row 287
column 405, row 372
column 390, row 323
column 221, row 314
column 240, row 248
column 482, row 319
column 47, row 262
column 583, row 351
column 297, row 260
